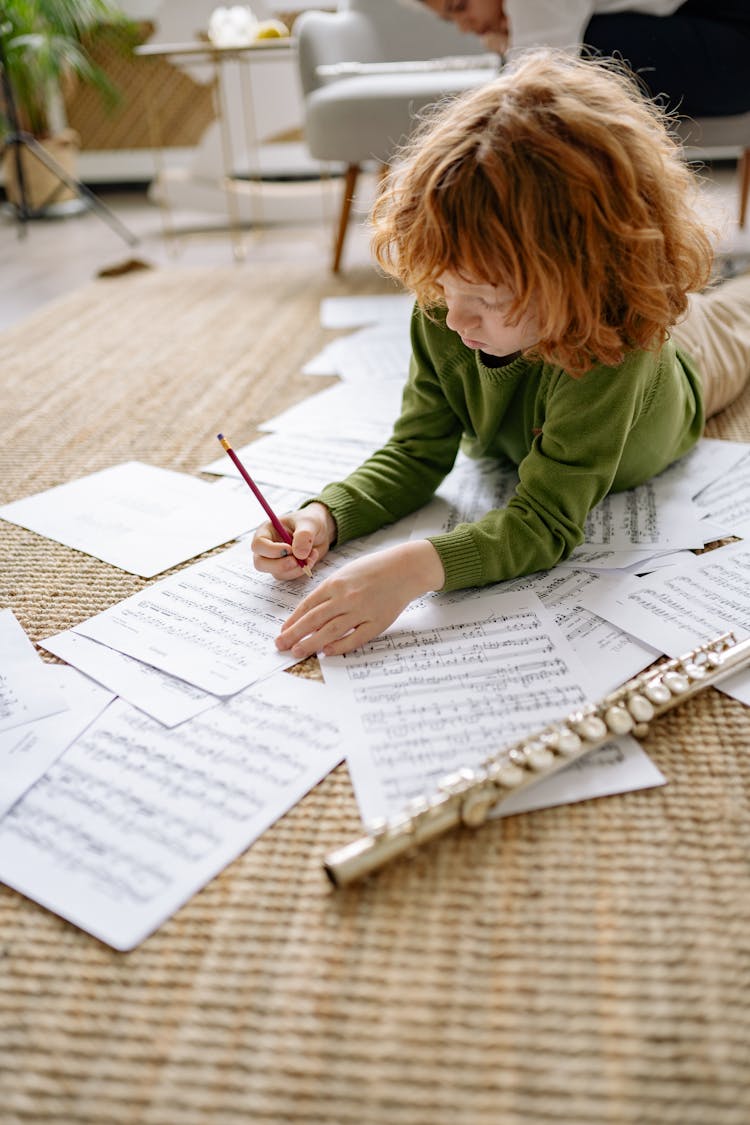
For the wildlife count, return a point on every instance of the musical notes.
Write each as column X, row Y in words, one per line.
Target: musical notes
column 27, row 751
column 680, row 607
column 138, row 517
column 136, row 817
column 471, row 676
column 25, row 692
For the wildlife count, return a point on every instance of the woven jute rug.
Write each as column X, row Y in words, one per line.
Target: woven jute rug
column 579, row 966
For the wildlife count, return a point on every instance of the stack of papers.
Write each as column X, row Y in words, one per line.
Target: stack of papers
column 174, row 738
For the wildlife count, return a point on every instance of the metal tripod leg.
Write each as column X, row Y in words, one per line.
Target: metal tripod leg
column 83, row 192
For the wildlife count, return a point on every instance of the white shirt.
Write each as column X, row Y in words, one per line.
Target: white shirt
column 561, row 23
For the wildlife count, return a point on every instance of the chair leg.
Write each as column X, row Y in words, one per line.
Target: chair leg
column 350, row 183
column 744, row 176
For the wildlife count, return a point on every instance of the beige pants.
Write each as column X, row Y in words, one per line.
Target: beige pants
column 716, row 334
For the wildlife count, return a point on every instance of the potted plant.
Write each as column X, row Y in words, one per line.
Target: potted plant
column 44, row 45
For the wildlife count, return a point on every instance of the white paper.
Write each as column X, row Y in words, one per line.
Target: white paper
column 279, row 497
column 26, row 692
column 168, row 700
column 445, row 687
column 135, row 818
column 727, row 500
column 709, row 460
column 677, row 609
column 358, row 411
column 587, row 557
column 471, row 490
column 300, row 461
column 621, row 766
column 609, row 654
column 349, row 312
column 655, row 514
column 382, row 351
column 212, row 624
column 137, row 517
column 27, row 752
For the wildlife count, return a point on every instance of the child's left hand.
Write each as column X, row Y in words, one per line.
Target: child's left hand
column 361, row 600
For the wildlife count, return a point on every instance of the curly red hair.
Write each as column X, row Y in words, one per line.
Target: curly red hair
column 561, row 181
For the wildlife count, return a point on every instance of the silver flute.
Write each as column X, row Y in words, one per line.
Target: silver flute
column 469, row 795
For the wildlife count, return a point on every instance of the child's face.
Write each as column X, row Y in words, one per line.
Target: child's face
column 478, row 313
column 479, row 16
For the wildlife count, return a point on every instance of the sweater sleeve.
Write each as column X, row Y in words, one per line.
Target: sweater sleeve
column 403, row 475
column 570, row 467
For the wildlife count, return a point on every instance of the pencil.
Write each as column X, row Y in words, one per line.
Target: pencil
column 278, row 525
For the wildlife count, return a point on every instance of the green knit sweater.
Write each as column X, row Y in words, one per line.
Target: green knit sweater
column 573, row 440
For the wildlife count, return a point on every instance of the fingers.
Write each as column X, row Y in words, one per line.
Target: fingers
column 272, row 556
column 323, row 628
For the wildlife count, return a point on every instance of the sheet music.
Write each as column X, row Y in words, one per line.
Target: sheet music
column 679, row 608
column 301, row 461
column 280, row 497
column 381, row 351
column 135, row 818
column 588, row 557
column 137, row 517
column 212, row 624
column 727, row 500
column 168, row 700
column 471, row 490
column 609, row 654
column 622, row 766
column 362, row 411
column 27, row 752
column 26, row 693
column 710, row 459
column 350, row 312
column 654, row 514
column 445, row 687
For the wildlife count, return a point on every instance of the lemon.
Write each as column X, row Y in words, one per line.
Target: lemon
column 271, row 29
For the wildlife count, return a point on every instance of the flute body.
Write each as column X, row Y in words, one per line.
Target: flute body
column 468, row 796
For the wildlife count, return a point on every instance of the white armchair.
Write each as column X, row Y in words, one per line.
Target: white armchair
column 729, row 135
column 359, row 118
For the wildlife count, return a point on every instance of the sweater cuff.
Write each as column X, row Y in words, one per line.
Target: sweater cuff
column 343, row 507
column 460, row 558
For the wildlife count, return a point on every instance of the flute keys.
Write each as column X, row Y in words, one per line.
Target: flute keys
column 640, row 708
column 618, row 719
column 457, row 782
column 592, row 728
column 566, row 742
column 539, row 758
column 677, row 682
column 657, row 692
column 695, row 671
column 476, row 806
column 507, row 775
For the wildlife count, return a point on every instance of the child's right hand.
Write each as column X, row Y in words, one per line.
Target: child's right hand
column 313, row 529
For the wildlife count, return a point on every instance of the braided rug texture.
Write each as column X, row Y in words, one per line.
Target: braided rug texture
column 584, row 965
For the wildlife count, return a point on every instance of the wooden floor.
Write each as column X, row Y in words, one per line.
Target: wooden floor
column 54, row 256
column 47, row 258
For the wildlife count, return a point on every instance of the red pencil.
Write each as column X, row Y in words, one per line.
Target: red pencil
column 278, row 525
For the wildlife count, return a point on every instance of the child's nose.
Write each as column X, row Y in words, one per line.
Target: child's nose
column 459, row 318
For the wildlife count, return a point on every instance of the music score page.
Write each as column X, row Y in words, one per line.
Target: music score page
column 447, row 686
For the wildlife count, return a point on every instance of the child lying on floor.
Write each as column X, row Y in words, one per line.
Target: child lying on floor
column 545, row 223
